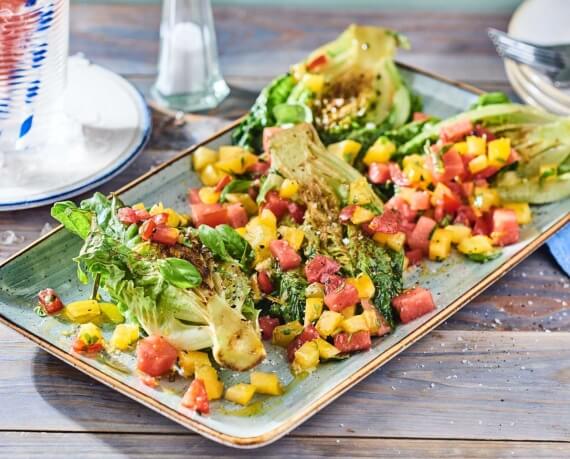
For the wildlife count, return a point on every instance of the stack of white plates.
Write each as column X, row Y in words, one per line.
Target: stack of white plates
column 543, row 22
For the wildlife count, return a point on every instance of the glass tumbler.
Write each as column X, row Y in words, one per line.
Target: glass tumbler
column 34, row 36
column 189, row 77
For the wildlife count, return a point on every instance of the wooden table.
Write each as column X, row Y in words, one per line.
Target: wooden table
column 492, row 382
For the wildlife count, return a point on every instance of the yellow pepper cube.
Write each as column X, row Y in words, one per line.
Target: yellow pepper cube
column 440, row 245
column 288, row 188
column 347, row 150
column 314, row 83
column 124, row 336
column 354, row 324
column 174, row 219
column 139, row 206
column 460, row 147
column 112, row 312
column 266, row 383
column 395, row 241
column 361, row 215
column 189, row 361
column 328, row 323
column 90, row 334
column 306, row 357
column 359, row 192
column 522, row 211
column 83, row 311
column 209, row 195
column 498, row 151
column 484, row 198
column 363, row 285
column 235, row 160
column 240, row 393
column 380, row 152
column 245, row 200
column 293, row 236
column 476, row 146
column 478, row 164
column 458, row 233
column 209, row 376
column 202, row 157
column 326, row 350
column 313, row 309
column 476, row 245
column 156, row 209
column 229, row 152
column 284, row 334
column 210, row 176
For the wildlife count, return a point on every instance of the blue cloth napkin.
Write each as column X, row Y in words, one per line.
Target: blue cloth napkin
column 559, row 246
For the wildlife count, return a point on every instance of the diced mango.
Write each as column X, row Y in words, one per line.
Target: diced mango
column 240, row 393
column 476, row 245
column 328, row 323
column 458, row 232
column 360, row 192
column 363, row 285
column 313, row 309
column 315, row 290
column 210, row 176
column 438, row 193
column 372, row 319
column 380, row 152
column 260, row 231
column 202, row 157
column 361, row 215
column 209, row 195
column 266, row 383
column 139, row 206
column 245, row 200
column 313, row 82
column 306, row 357
column 82, row 311
column 349, row 311
column 112, row 312
column 347, row 150
column 289, row 188
column 484, row 198
column 241, row 231
column 228, row 152
column 478, row 164
column 174, row 218
column 326, row 350
column 235, row 160
column 90, row 333
column 293, row 236
column 209, row 376
column 460, row 147
column 284, row 334
column 189, row 361
column 354, row 324
column 498, row 151
column 522, row 211
column 395, row 241
column 124, row 336
column 476, row 146
column 440, row 245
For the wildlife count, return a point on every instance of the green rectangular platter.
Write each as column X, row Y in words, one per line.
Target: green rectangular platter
column 48, row 262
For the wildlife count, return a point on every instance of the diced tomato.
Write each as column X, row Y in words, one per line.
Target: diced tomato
column 456, row 131
column 317, row 63
column 413, row 303
column 237, row 215
column 468, row 188
column 378, row 173
column 259, row 168
column 399, row 205
column 264, row 282
column 80, row 346
column 160, row 219
column 419, row 200
column 450, row 203
column 332, row 282
column 505, row 227
column 308, row 334
column 483, row 225
column 384, row 328
column 297, row 212
column 438, row 213
column 342, row 297
column 365, row 227
column 155, row 355
column 420, row 116
column 486, row 173
column 415, row 256
column 127, row 215
column 142, row 214
column 267, row 324
column 359, row 341
column 224, row 181
column 452, row 165
column 465, row 216
column 165, row 235
column 396, row 175
column 388, row 222
column 480, row 131
column 209, row 214
column 50, row 301
column 277, row 205
column 194, row 196
column 147, row 229
column 347, row 212
column 285, row 254
column 253, row 190
column 196, row 397
column 269, row 132
column 149, row 381
column 318, row 266
column 419, row 239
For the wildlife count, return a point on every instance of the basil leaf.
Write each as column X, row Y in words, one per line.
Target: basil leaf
column 75, row 220
column 180, row 273
column 236, row 246
column 214, row 241
column 235, row 186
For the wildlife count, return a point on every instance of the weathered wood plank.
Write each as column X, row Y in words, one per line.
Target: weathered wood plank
column 487, row 385
column 34, row 445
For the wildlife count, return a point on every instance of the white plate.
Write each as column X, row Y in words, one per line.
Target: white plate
column 544, row 22
column 105, row 125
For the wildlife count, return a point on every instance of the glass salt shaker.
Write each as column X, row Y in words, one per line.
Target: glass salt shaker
column 189, row 77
